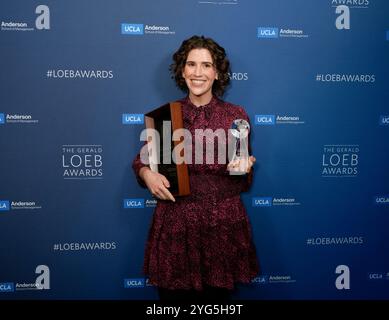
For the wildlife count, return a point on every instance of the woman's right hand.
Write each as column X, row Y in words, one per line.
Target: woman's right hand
column 156, row 183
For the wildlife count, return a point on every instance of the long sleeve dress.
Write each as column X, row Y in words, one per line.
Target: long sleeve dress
column 203, row 238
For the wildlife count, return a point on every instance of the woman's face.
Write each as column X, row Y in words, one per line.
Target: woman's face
column 200, row 73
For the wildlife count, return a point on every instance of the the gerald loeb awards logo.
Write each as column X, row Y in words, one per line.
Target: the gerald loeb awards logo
column 82, row 162
column 340, row 161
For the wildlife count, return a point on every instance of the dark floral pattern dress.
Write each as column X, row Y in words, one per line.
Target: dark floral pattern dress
column 203, row 238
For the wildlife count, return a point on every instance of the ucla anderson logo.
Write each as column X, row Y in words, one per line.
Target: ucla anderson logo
column 265, row 119
column 132, row 118
column 384, row 120
column 132, row 29
column 134, row 203
column 42, row 21
column 264, row 32
column 7, row 287
column 260, row 280
column 382, row 200
column 376, row 276
column 134, row 283
column 4, row 205
column 262, row 202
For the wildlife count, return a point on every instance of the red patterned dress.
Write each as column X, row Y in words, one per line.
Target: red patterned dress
column 203, row 238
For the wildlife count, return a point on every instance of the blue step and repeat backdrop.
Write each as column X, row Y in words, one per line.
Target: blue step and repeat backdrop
column 76, row 78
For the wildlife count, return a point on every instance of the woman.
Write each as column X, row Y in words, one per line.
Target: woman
column 200, row 245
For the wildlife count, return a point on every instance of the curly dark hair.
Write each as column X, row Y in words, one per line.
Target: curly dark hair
column 222, row 64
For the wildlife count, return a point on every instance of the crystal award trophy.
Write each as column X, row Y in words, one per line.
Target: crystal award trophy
column 240, row 129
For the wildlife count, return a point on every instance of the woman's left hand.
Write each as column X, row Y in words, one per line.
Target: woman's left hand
column 241, row 165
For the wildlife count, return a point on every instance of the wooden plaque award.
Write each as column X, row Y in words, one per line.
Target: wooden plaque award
column 159, row 119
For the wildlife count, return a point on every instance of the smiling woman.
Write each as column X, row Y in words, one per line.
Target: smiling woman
column 208, row 52
column 200, row 246
column 199, row 74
